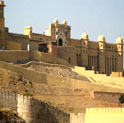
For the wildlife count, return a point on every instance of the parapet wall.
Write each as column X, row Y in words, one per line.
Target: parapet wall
column 32, row 110
column 14, row 55
column 8, row 100
column 45, row 64
column 48, row 58
column 20, row 56
column 77, row 117
column 27, row 74
column 104, row 115
column 105, row 110
column 108, row 96
column 116, row 82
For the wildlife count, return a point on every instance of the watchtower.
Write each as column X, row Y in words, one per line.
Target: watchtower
column 2, row 42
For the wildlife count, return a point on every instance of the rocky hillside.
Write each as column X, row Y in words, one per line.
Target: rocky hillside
column 8, row 116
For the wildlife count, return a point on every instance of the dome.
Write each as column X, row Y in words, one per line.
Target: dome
column 84, row 36
column 56, row 21
column 101, row 38
column 119, row 40
column 64, row 22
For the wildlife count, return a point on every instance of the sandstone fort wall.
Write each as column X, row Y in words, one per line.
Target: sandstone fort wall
column 112, row 81
column 14, row 56
column 104, row 115
column 49, row 58
column 27, row 74
column 19, row 56
column 108, row 96
column 8, row 100
column 32, row 110
column 12, row 45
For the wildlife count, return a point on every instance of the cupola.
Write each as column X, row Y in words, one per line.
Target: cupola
column 119, row 40
column 84, row 36
column 64, row 22
column 56, row 21
column 101, row 38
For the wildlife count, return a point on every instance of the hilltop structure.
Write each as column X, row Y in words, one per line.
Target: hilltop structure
column 100, row 56
column 60, row 74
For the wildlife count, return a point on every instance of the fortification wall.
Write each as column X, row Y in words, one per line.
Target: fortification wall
column 48, row 58
column 68, row 53
column 110, row 81
column 107, row 96
column 14, row 55
column 27, row 74
column 44, row 78
column 104, row 115
column 116, row 74
column 12, row 45
column 45, row 57
column 8, row 100
column 45, row 64
column 77, row 117
column 32, row 110
column 35, row 111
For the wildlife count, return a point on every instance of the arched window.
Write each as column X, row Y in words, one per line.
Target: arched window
column 60, row 42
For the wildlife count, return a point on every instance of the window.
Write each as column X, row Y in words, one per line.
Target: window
column 60, row 42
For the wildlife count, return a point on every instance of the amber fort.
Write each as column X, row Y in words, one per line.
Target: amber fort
column 52, row 78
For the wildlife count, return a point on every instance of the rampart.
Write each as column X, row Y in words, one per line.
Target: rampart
column 108, row 96
column 27, row 74
column 45, row 64
column 33, row 110
column 104, row 115
column 110, row 81
column 20, row 56
column 8, row 100
column 14, row 55
column 48, row 58
column 42, row 78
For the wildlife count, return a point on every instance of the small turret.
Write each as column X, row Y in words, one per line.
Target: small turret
column 85, row 39
column 101, row 41
column 84, row 36
column 56, row 21
column 27, row 30
column 64, row 22
column 119, row 43
column 119, row 40
column 101, row 38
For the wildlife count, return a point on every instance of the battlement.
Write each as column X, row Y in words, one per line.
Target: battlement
column 105, row 110
column 29, row 108
column 108, row 96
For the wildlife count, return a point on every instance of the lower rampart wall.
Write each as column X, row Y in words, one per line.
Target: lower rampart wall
column 8, row 100
column 108, row 96
column 14, row 55
column 32, row 110
column 104, row 115
column 20, row 56
column 110, row 81
column 48, row 58
column 27, row 74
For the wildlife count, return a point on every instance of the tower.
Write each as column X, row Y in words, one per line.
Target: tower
column 59, row 32
column 2, row 42
column 101, row 56
column 119, row 44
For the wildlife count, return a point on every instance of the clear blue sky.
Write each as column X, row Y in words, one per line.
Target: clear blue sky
column 92, row 16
